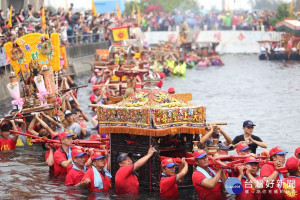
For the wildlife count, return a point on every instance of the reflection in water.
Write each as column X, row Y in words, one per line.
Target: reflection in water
column 266, row 92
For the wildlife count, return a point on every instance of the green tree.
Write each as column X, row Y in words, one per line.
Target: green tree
column 281, row 14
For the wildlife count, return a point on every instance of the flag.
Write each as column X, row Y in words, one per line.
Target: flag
column 118, row 11
column 133, row 11
column 10, row 13
column 139, row 14
column 94, row 11
column 43, row 22
column 291, row 7
column 67, row 7
column 120, row 33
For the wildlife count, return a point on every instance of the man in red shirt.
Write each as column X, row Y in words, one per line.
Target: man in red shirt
column 49, row 155
column 207, row 182
column 62, row 156
column 250, row 178
column 76, row 173
column 272, row 176
column 168, row 182
column 125, row 180
column 7, row 143
column 291, row 184
column 97, row 178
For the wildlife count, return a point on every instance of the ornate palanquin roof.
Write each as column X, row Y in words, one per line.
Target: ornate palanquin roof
column 151, row 112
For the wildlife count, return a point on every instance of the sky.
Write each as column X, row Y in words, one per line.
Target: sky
column 208, row 4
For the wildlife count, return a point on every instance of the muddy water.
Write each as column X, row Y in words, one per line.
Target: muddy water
column 268, row 93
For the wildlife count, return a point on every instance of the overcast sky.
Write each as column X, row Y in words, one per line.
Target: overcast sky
column 208, row 4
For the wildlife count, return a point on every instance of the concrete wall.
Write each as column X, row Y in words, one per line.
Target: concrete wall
column 229, row 41
column 76, row 56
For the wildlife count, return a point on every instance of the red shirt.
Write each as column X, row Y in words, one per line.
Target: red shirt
column 168, row 187
column 59, row 157
column 249, row 192
column 91, row 186
column 51, row 168
column 126, row 181
column 74, row 176
column 291, row 188
column 273, row 192
column 7, row 144
column 205, row 193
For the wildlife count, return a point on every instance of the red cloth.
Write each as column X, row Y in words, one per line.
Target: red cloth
column 74, row 176
column 126, row 181
column 249, row 192
column 90, row 175
column 92, row 98
column 168, row 188
column 288, row 193
column 51, row 168
column 7, row 144
column 59, row 157
column 204, row 193
column 273, row 192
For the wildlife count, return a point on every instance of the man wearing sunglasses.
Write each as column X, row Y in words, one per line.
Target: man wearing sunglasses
column 250, row 139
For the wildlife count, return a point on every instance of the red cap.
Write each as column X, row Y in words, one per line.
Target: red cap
column 54, row 135
column 171, row 90
column 292, row 164
column 160, row 83
column 97, row 155
column 77, row 153
column 95, row 87
column 277, row 150
column 250, row 159
column 297, row 151
column 167, row 162
column 162, row 75
column 64, row 134
column 199, row 154
column 95, row 137
column 242, row 147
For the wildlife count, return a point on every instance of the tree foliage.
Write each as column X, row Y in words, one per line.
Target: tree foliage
column 282, row 13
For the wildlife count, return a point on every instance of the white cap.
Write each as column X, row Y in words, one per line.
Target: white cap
column 294, row 49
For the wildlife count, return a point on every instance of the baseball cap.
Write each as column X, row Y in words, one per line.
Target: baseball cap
column 242, row 147
column 77, row 153
column 224, row 147
column 277, row 150
column 64, row 134
column 297, row 152
column 56, row 118
column 122, row 156
column 248, row 123
column 292, row 163
column 97, row 155
column 95, row 137
column 250, row 159
column 199, row 154
column 54, row 135
column 171, row 90
column 68, row 113
column 95, row 87
column 167, row 162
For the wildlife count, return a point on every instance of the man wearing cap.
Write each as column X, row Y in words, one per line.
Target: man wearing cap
column 76, row 173
column 243, row 149
column 271, row 174
column 291, row 184
column 168, row 182
column 252, row 140
column 72, row 126
column 125, row 180
column 251, row 166
column 211, row 138
column 97, row 96
column 97, row 178
column 207, row 182
column 62, row 156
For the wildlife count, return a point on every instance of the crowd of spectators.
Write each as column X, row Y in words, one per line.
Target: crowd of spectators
column 84, row 27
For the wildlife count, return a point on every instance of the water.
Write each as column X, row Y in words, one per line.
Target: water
column 265, row 92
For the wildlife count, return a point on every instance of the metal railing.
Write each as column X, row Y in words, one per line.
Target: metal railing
column 85, row 38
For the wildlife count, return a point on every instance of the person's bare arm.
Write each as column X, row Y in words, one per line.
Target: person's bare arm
column 183, row 172
column 261, row 144
column 66, row 163
column 206, row 137
column 30, row 127
column 211, row 183
column 144, row 159
column 14, row 127
column 49, row 130
column 226, row 136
